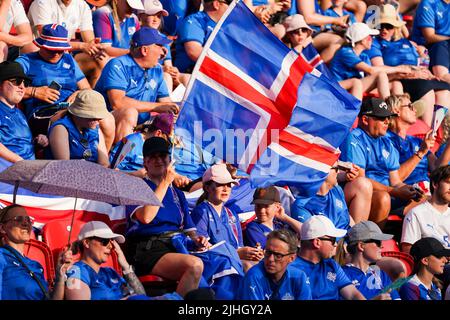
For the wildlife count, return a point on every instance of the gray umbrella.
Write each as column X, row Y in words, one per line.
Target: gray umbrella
column 79, row 179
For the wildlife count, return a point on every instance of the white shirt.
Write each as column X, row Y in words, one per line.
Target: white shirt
column 425, row 221
column 16, row 16
column 77, row 15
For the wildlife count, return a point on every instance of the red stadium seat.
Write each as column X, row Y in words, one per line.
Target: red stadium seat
column 390, row 246
column 39, row 251
column 56, row 234
column 404, row 257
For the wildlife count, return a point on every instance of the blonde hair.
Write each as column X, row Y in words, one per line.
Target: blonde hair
column 115, row 14
column 394, row 102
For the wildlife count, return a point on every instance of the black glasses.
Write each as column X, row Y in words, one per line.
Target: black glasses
column 386, row 26
column 332, row 240
column 380, row 118
column 20, row 220
column 18, row 81
column 276, row 255
column 104, row 242
column 377, row 242
column 409, row 105
column 300, row 30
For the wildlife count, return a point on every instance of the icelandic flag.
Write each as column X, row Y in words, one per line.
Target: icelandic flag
column 310, row 54
column 44, row 208
column 240, row 99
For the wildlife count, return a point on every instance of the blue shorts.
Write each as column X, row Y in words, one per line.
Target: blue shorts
column 440, row 54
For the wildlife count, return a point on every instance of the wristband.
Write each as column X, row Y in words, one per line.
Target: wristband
column 130, row 270
column 418, row 156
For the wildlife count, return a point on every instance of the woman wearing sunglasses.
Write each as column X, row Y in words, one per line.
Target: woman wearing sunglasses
column 76, row 135
column 390, row 48
column 20, row 277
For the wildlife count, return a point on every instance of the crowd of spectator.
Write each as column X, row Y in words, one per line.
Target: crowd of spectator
column 81, row 79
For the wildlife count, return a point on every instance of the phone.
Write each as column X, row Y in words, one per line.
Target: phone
column 344, row 166
column 55, row 85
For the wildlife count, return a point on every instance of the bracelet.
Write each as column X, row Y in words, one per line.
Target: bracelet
column 130, row 270
column 417, row 154
column 33, row 92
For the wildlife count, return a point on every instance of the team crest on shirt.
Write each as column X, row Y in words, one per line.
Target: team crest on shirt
column 440, row 15
column 287, row 296
column 331, row 276
column 131, row 30
column 152, row 84
column 66, row 65
column 385, row 153
column 339, row 204
column 307, row 280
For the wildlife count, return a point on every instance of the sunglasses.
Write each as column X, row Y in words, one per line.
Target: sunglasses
column 300, row 30
column 277, row 256
column 18, row 81
column 377, row 242
column 380, row 118
column 20, row 220
column 104, row 242
column 332, row 240
column 409, row 105
column 88, row 152
column 386, row 26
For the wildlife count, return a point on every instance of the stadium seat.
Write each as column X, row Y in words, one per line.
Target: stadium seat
column 56, row 234
column 404, row 257
column 39, row 251
column 390, row 246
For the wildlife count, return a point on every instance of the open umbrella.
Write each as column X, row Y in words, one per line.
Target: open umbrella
column 79, row 179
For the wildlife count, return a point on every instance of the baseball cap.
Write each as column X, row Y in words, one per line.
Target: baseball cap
column 267, row 195
column 136, row 4
column 218, row 173
column 367, row 230
column 428, row 246
column 12, row 69
column 295, row 22
column 152, row 7
column 89, row 104
column 155, row 145
column 164, row 122
column 376, row 107
column 358, row 31
column 319, row 226
column 147, row 36
column 99, row 229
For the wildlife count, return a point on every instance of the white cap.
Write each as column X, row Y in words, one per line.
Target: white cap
column 218, row 173
column 152, row 7
column 99, row 229
column 319, row 226
column 136, row 4
column 359, row 31
column 295, row 22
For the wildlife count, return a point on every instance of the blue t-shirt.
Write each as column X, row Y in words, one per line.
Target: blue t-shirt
column 332, row 205
column 134, row 160
column 174, row 216
column 257, row 285
column 15, row 281
column 331, row 13
column 326, row 278
column 343, row 64
column 256, row 232
column 226, row 227
column 123, row 73
column 107, row 284
column 82, row 145
column 377, row 156
column 394, row 53
column 196, row 27
column 406, row 148
column 431, row 14
column 371, row 283
column 414, row 289
column 66, row 72
column 15, row 133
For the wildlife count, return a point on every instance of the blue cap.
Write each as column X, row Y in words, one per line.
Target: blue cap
column 146, row 36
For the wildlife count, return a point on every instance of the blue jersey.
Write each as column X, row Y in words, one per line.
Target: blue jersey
column 371, row 283
column 82, row 145
column 256, row 232
column 134, row 160
column 343, row 64
column 394, row 53
column 15, row 133
column 431, row 14
column 196, row 27
column 177, row 11
column 174, row 216
column 66, row 72
column 406, row 148
column 414, row 289
column 107, row 284
column 377, row 156
column 440, row 151
column 257, row 285
column 16, row 282
column 332, row 205
column 226, row 227
column 331, row 13
column 326, row 278
column 123, row 73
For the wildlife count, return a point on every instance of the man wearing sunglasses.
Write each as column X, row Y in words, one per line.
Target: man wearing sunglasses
column 368, row 147
column 318, row 245
column 16, row 140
